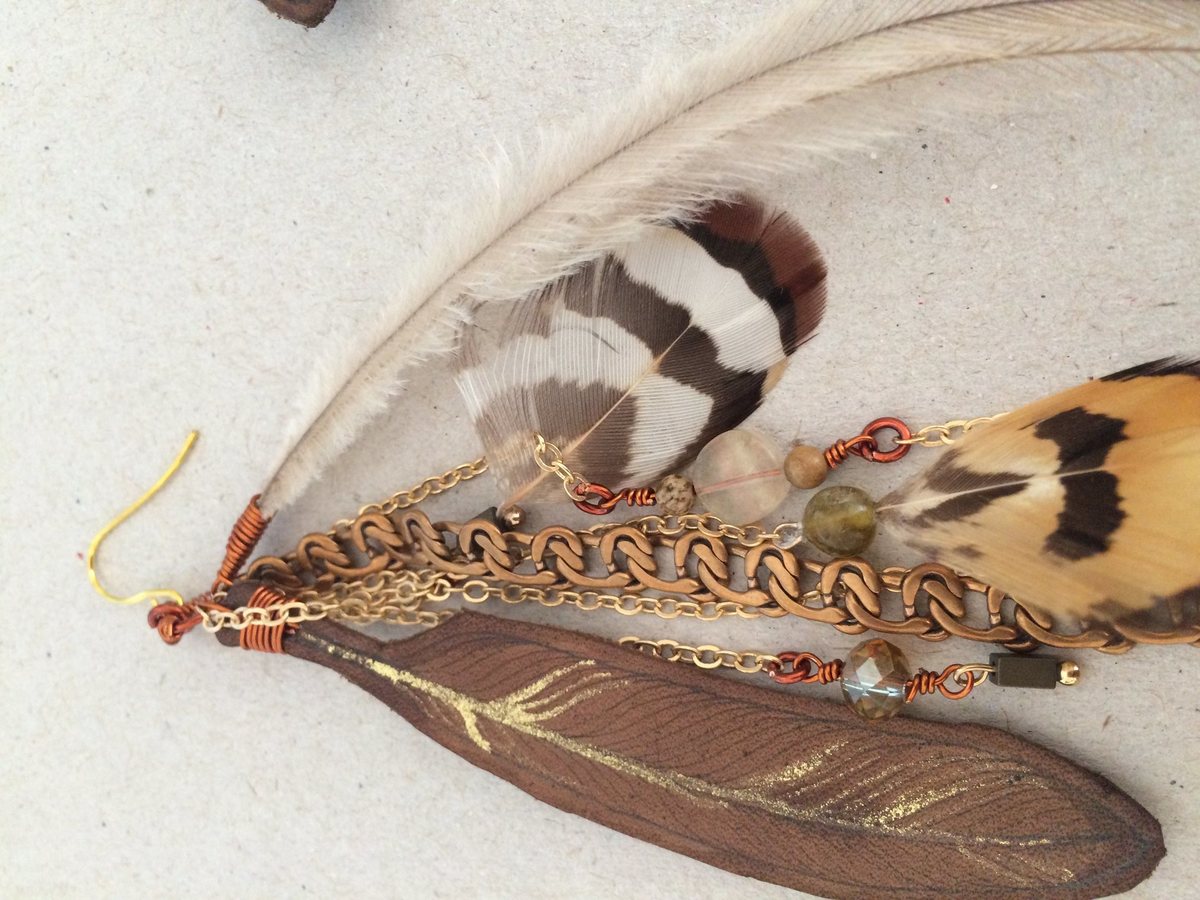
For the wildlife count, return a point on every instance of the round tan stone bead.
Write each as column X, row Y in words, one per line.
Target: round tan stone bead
column 805, row 467
column 675, row 495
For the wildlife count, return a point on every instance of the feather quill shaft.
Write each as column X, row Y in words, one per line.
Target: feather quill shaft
column 719, row 126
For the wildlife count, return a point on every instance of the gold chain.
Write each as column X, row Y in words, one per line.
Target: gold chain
column 706, row 656
column 400, row 598
column 430, row 487
column 943, row 435
column 707, row 524
column 550, row 459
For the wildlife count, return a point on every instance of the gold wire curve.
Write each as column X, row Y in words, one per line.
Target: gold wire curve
column 159, row 595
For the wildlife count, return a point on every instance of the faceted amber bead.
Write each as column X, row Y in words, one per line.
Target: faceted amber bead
column 739, row 476
column 874, row 678
column 840, row 520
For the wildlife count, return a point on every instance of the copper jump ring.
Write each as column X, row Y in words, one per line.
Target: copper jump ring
column 869, row 449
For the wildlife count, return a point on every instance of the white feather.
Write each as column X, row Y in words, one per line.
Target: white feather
column 782, row 97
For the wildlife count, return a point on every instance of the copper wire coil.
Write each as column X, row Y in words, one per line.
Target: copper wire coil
column 599, row 500
column 839, row 451
column 925, row 682
column 172, row 620
column 263, row 638
column 806, row 668
column 244, row 537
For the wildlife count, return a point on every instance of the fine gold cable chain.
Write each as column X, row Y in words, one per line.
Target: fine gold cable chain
column 943, row 435
column 418, row 493
column 705, row 656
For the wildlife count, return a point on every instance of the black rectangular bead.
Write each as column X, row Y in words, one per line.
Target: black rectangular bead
column 1016, row 670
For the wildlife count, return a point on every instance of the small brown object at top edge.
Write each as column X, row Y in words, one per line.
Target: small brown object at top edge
column 309, row 13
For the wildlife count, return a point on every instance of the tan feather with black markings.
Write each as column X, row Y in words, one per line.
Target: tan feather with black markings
column 1085, row 503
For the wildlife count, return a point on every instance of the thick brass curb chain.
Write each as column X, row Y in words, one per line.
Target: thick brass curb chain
column 707, row 569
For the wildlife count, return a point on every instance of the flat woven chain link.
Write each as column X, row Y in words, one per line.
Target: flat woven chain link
column 929, row 601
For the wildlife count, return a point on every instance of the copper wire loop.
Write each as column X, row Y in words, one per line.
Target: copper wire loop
column 805, row 668
column 263, row 638
column 244, row 537
column 606, row 500
column 925, row 682
column 866, row 444
column 839, row 451
column 172, row 620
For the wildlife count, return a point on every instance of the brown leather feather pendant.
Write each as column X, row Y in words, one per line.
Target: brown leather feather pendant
column 775, row 786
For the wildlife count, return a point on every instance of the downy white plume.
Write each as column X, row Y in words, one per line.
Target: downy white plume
column 775, row 101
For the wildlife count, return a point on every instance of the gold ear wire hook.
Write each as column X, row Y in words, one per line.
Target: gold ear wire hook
column 159, row 595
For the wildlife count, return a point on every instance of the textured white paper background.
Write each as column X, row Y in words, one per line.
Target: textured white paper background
column 197, row 199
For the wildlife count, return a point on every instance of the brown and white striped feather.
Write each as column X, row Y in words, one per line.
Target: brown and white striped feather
column 635, row 362
column 1086, row 503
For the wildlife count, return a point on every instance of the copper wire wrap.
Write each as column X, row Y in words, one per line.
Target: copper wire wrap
column 598, row 500
column 172, row 620
column 263, row 638
column 866, row 444
column 925, row 682
column 805, row 668
column 244, row 537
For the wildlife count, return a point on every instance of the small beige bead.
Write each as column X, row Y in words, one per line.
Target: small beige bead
column 805, row 467
column 675, row 495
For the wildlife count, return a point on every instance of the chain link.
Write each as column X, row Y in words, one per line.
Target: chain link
column 710, row 526
column 705, row 656
column 943, row 435
column 401, row 598
column 479, row 590
column 550, row 459
column 430, row 487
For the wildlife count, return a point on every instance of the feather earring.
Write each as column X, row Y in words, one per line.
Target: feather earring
column 632, row 364
column 1086, row 503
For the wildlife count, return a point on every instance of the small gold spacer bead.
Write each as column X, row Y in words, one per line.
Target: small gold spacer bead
column 805, row 467
column 1068, row 672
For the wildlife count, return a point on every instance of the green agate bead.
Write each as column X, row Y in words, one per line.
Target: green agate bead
column 840, row 520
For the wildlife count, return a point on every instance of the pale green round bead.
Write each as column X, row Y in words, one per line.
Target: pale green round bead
column 840, row 520
column 874, row 679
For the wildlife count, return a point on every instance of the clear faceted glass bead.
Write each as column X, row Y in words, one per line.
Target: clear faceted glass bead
column 873, row 679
